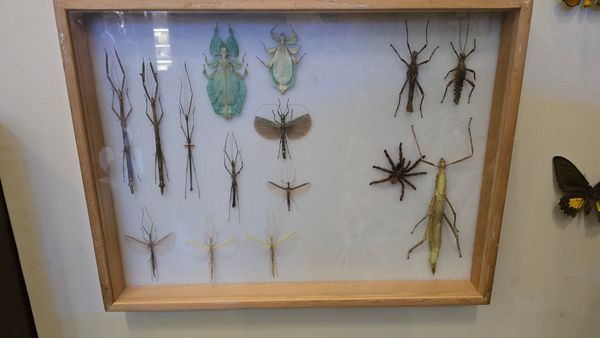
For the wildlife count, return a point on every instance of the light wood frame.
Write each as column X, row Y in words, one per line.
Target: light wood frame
column 516, row 18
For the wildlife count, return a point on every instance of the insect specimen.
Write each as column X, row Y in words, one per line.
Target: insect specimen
column 122, row 94
column 272, row 242
column 231, row 159
column 412, row 72
column 460, row 72
column 435, row 212
column 579, row 194
column 574, row 3
column 288, row 187
column 282, row 127
column 211, row 245
column 226, row 87
column 150, row 242
column 153, row 98
column 187, row 120
column 282, row 65
column 399, row 173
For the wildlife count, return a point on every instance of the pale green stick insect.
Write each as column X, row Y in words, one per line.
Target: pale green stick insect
column 272, row 242
column 226, row 87
column 211, row 244
column 282, row 65
column 435, row 211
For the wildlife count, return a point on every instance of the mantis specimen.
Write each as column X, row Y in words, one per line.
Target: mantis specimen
column 153, row 98
column 187, row 120
column 282, row 65
column 282, row 127
column 435, row 211
column 412, row 72
column 211, row 245
column 272, row 242
column 460, row 72
column 230, row 162
column 288, row 187
column 121, row 93
column 149, row 242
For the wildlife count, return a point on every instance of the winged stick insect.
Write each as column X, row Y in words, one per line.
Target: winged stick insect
column 153, row 98
column 436, row 210
column 211, row 245
column 460, row 72
column 288, row 187
column 272, row 242
column 187, row 120
column 234, row 164
column 122, row 95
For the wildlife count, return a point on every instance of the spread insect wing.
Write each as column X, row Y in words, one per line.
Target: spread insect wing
column 578, row 192
column 299, row 126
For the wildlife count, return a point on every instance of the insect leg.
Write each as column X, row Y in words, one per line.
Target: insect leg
column 455, row 232
column 454, row 49
column 401, row 59
column 381, row 181
column 450, row 71
column 474, row 47
column 425, row 236
column 447, row 86
column 422, row 97
column 474, row 74
column 424, row 62
column 416, row 225
column 453, row 212
column 472, row 89
column 261, row 61
column 472, row 149
column 400, row 96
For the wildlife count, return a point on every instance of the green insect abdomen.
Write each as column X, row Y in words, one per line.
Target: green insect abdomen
column 227, row 91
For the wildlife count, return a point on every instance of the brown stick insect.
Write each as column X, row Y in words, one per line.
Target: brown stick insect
column 150, row 242
column 153, row 98
column 210, row 245
column 435, row 211
column 232, row 158
column 288, row 187
column 187, row 120
column 272, row 242
column 412, row 72
column 122, row 94
column 460, row 72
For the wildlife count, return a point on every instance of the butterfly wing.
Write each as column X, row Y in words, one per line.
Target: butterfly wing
column 572, row 182
column 596, row 199
column 572, row 3
column 299, row 126
column 267, row 129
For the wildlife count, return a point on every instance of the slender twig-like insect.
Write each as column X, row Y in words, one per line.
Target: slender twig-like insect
column 460, row 72
column 288, row 187
column 211, row 245
column 282, row 127
column 232, row 157
column 272, row 242
column 412, row 72
column 187, row 122
column 435, row 211
column 150, row 242
column 121, row 93
column 154, row 99
column 400, row 172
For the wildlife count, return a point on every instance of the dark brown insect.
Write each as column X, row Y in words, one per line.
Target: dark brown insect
column 187, row 120
column 149, row 242
column 153, row 98
column 288, row 187
column 412, row 72
column 282, row 127
column 121, row 93
column 400, row 172
column 232, row 158
column 460, row 72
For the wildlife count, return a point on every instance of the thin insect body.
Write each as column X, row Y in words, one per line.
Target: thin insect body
column 150, row 241
column 399, row 173
column 288, row 187
column 153, row 98
column 231, row 159
column 282, row 127
column 211, row 245
column 412, row 73
column 122, row 94
column 435, row 211
column 460, row 72
column 272, row 242
column 187, row 122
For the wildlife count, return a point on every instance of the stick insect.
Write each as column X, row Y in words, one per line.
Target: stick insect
column 272, row 242
column 121, row 93
column 150, row 242
column 153, row 98
column 231, row 158
column 187, row 122
column 288, row 187
column 211, row 244
column 435, row 211
column 412, row 72
column 282, row 127
column 460, row 72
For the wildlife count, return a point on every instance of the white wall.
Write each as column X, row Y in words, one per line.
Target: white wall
column 548, row 274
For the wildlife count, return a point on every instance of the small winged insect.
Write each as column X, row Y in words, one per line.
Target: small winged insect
column 282, row 127
column 122, row 95
column 578, row 193
column 288, row 186
column 234, row 164
column 282, row 65
column 400, row 172
column 412, row 72
column 272, row 242
column 435, row 212
column 226, row 87
column 187, row 122
column 150, row 242
column 153, row 98
column 211, row 244
column 460, row 72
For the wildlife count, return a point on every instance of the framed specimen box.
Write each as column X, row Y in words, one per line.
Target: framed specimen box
column 227, row 148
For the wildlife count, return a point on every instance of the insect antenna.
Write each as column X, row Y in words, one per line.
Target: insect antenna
column 421, row 156
column 407, row 43
column 472, row 148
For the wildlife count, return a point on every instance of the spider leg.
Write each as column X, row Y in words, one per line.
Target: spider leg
column 408, row 182
column 385, row 170
column 390, row 160
column 402, row 185
column 381, row 181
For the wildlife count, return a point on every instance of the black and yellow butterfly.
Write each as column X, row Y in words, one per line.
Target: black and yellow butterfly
column 579, row 194
column 573, row 3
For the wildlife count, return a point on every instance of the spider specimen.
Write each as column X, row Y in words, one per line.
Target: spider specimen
column 399, row 172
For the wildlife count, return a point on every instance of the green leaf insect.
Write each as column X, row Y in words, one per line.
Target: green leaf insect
column 282, row 65
column 226, row 87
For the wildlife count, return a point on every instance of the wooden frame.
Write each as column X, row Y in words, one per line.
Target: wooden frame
column 118, row 297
